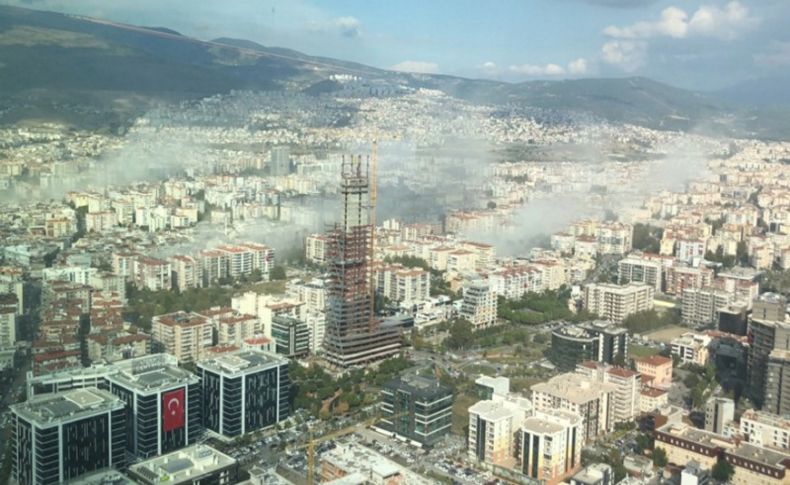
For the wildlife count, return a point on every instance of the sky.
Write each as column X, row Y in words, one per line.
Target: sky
column 701, row 45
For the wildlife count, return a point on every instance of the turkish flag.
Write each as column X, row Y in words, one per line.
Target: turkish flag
column 173, row 410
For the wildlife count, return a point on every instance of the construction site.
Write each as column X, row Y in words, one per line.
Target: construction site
column 355, row 336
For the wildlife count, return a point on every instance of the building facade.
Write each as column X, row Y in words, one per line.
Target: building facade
column 244, row 391
column 417, row 409
column 59, row 437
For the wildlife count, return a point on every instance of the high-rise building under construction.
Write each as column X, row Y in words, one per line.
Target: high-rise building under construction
column 354, row 335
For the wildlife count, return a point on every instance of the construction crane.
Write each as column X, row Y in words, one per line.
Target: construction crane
column 373, row 191
column 313, row 441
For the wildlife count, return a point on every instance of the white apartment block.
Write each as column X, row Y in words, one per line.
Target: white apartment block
column 183, row 335
column 626, row 395
column 406, row 286
column 551, row 445
column 187, row 272
column 152, row 274
column 692, row 348
column 493, row 425
column 614, row 238
column 701, row 306
column 590, row 399
column 82, row 275
column 7, row 328
column 765, row 429
column 316, row 248
column 615, row 303
column 479, row 305
column 514, row 282
column 636, row 269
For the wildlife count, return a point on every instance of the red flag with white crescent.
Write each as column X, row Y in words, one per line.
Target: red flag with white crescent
column 173, row 410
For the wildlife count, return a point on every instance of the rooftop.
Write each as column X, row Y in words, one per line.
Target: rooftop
column 419, row 386
column 572, row 387
column 695, row 435
column 654, row 360
column 241, row 362
column 354, row 458
column 49, row 409
column 770, row 457
column 185, row 464
column 151, row 373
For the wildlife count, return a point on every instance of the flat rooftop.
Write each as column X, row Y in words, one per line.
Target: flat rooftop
column 771, row 457
column 151, row 373
column 353, row 457
column 573, row 387
column 182, row 465
column 696, row 435
column 50, row 409
column 419, row 386
column 241, row 362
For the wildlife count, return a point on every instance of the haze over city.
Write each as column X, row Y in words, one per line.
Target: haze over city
column 362, row 243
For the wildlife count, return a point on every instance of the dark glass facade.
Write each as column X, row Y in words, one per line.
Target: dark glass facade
column 144, row 433
column 416, row 408
column 260, row 403
column 85, row 445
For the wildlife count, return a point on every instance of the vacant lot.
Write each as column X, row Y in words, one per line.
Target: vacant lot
column 666, row 334
column 635, row 350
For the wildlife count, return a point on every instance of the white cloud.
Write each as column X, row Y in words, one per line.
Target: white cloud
column 673, row 23
column 488, row 68
column 348, row 26
column 629, row 55
column 707, row 21
column 533, row 70
column 421, row 67
column 577, row 67
column 724, row 23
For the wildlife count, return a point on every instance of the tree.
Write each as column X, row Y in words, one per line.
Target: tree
column 278, row 273
column 461, row 334
column 722, row 471
column 660, row 457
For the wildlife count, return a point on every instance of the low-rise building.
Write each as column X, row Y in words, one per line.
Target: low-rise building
column 192, row 465
column 657, row 368
column 765, row 429
column 692, row 348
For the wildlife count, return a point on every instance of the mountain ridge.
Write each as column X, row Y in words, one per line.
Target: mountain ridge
column 49, row 52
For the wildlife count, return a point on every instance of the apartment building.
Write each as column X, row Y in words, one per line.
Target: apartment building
column 407, row 286
column 702, row 306
column 592, row 400
column 765, row 429
column 551, row 446
column 719, row 411
column 187, row 272
column 493, row 425
column 638, row 269
column 657, row 369
column 614, row 302
column 692, row 348
column 151, row 274
column 479, row 305
column 316, row 248
column 183, row 335
column 625, row 398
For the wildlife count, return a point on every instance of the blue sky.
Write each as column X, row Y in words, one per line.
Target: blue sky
column 696, row 44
